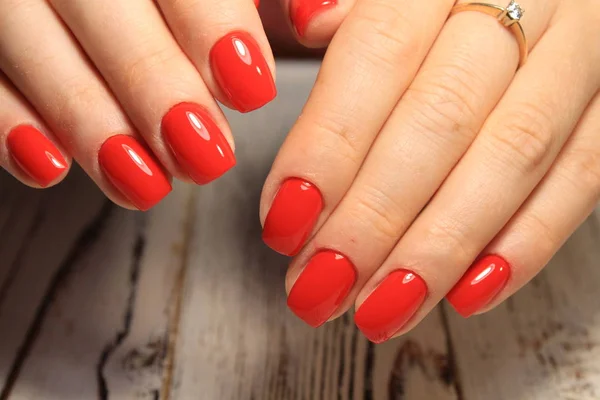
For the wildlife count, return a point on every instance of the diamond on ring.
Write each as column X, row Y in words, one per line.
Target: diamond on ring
column 514, row 11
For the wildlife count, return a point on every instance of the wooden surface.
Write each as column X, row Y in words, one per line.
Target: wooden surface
column 185, row 302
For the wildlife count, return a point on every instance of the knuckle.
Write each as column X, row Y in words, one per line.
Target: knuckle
column 379, row 212
column 145, row 63
column 338, row 133
column 79, row 96
column 581, row 166
column 383, row 34
column 525, row 137
column 547, row 238
column 11, row 6
column 444, row 106
column 448, row 236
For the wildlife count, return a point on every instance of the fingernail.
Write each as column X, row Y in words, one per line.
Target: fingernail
column 303, row 11
column 35, row 154
column 257, row 3
column 133, row 171
column 242, row 72
column 321, row 287
column 197, row 142
column 479, row 285
column 391, row 305
column 292, row 216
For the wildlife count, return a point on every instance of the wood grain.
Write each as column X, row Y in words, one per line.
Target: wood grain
column 185, row 302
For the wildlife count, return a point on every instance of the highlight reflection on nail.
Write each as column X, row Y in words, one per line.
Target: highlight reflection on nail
column 480, row 284
column 133, row 171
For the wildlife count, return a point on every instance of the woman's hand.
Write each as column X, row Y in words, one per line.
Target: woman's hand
column 421, row 157
column 127, row 88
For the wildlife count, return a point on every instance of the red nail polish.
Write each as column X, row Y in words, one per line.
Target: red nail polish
column 322, row 287
column 257, row 3
column 35, row 154
column 479, row 285
column 389, row 307
column 303, row 11
column 242, row 72
column 133, row 171
column 197, row 142
column 293, row 215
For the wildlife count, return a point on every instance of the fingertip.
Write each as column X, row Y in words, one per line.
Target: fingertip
column 316, row 21
column 39, row 160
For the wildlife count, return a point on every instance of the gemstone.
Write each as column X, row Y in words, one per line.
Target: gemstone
column 514, row 10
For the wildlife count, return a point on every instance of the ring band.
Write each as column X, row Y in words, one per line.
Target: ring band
column 509, row 17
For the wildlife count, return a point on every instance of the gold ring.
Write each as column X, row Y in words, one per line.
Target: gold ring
column 509, row 17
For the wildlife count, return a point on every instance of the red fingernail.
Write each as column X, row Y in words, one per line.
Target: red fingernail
column 35, row 154
column 197, row 142
column 242, row 72
column 133, row 171
column 479, row 285
column 257, row 3
column 303, row 11
column 389, row 307
column 322, row 287
column 293, row 215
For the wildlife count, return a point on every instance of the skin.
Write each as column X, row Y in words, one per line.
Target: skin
column 436, row 152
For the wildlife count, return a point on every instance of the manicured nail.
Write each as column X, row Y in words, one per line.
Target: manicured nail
column 242, row 72
column 257, row 3
column 479, row 285
column 133, row 171
column 197, row 142
column 391, row 305
column 322, row 287
column 293, row 215
column 303, row 11
column 35, row 154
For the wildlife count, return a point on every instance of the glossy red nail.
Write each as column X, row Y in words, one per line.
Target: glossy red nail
column 257, row 3
column 322, row 287
column 391, row 305
column 293, row 215
column 35, row 154
column 303, row 11
column 132, row 170
column 479, row 285
column 242, row 72
column 197, row 142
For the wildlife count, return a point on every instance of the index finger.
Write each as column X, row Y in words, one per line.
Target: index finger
column 370, row 62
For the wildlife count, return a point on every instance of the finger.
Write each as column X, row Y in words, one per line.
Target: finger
column 567, row 195
column 74, row 102
column 367, row 67
column 27, row 148
column 314, row 22
column 231, row 50
column 436, row 119
column 513, row 151
column 158, row 87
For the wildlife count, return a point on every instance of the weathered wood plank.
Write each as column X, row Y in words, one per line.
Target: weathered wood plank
column 40, row 234
column 544, row 342
column 105, row 332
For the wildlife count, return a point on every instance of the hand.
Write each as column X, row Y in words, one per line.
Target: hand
column 127, row 89
column 421, row 157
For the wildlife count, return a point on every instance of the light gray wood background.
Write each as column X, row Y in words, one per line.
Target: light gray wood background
column 185, row 302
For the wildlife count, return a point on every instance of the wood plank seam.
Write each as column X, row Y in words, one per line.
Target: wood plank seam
column 14, row 267
column 111, row 347
column 454, row 377
column 173, row 328
column 79, row 248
